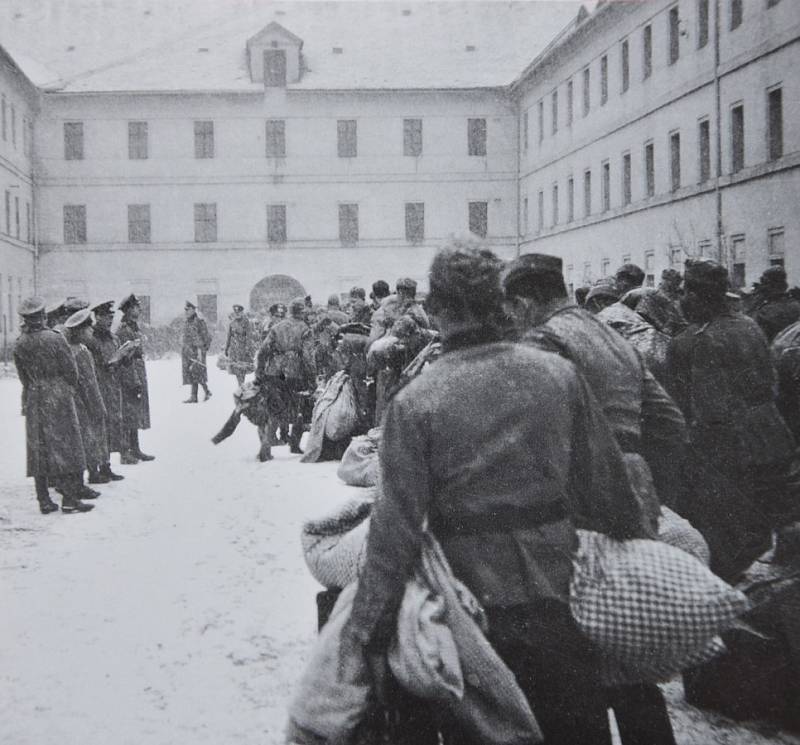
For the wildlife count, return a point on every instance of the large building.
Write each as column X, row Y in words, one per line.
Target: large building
column 260, row 150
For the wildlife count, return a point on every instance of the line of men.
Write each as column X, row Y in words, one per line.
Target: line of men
column 84, row 396
column 516, row 437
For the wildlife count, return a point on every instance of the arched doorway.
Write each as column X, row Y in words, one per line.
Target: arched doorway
column 276, row 288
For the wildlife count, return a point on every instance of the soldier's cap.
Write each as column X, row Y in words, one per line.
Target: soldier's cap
column 83, row 317
column 128, row 301
column 55, row 308
column 236, row 306
column 297, row 306
column 406, row 283
column 605, row 287
column 106, row 306
column 189, row 304
column 72, row 304
column 31, row 306
column 774, row 275
column 706, row 277
column 529, row 268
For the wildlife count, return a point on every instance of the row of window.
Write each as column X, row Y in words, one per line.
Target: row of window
column 737, row 163
column 9, row 307
column 205, row 222
column 674, row 32
column 275, row 139
column 13, row 218
column 9, row 127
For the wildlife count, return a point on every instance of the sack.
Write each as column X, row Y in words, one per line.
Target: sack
column 675, row 531
column 359, row 466
column 335, row 546
column 223, row 361
column 325, row 706
column 648, row 606
column 493, row 709
column 343, row 412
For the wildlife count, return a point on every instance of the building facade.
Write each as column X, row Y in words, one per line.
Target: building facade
column 18, row 111
column 662, row 130
column 247, row 166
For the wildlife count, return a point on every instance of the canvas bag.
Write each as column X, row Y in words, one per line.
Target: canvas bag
column 359, row 466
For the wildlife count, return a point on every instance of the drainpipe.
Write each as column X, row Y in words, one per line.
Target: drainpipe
column 724, row 259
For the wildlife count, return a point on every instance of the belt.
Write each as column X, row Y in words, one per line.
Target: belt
column 508, row 519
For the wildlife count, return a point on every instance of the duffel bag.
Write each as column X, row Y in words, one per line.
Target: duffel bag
column 359, row 466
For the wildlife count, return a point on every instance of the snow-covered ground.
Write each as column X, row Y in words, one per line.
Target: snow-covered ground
column 180, row 609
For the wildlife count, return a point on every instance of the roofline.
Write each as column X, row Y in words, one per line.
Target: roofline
column 260, row 91
column 7, row 56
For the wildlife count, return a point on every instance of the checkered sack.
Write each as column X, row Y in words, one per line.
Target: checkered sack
column 678, row 532
column 650, row 608
column 335, row 546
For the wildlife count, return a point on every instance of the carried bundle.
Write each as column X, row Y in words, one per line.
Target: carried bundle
column 359, row 466
column 335, row 416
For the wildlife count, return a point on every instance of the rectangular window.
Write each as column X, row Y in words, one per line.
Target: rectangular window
column 570, row 199
column 137, row 140
column 541, row 121
column 138, row 223
column 8, row 213
column 25, row 135
column 776, row 246
column 13, row 126
column 276, row 223
column 626, row 65
column 412, row 137
column 775, row 123
column 737, row 138
column 144, row 309
column 587, row 193
column 649, row 269
column 739, row 255
column 525, row 131
column 626, row 178
column 674, row 35
column 735, row 13
column 476, row 137
column 348, row 224
column 675, row 257
column 205, row 223
column 525, row 216
column 675, row 160
column 276, row 138
column 702, row 23
column 587, row 93
column 649, row 169
column 204, row 139
column 647, row 52
column 73, row 140
column 74, row 223
column 569, row 103
column 3, row 115
column 28, row 222
column 555, row 204
column 30, row 137
column 16, row 216
column 603, row 79
column 606, row 185
column 479, row 218
column 540, row 215
column 207, row 305
column 347, row 138
column 704, row 147
column 415, row 222
column 605, row 267
column 555, row 111
column 275, row 68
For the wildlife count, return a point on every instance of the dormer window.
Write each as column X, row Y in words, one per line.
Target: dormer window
column 275, row 68
column 273, row 56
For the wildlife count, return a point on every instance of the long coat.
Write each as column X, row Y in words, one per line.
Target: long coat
column 103, row 347
column 133, row 380
column 196, row 341
column 239, row 345
column 49, row 378
column 288, row 352
column 91, row 408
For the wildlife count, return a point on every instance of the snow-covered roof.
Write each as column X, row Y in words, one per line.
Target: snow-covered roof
column 200, row 45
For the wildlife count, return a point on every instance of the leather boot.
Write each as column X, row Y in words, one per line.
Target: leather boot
column 137, row 451
column 192, row 396
column 70, row 505
column 97, row 475
column 295, row 436
column 206, row 393
column 46, row 505
column 70, row 489
column 128, row 455
column 105, row 469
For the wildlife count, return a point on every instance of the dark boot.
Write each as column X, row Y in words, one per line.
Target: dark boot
column 70, row 489
column 206, row 392
column 295, row 435
column 128, row 455
column 46, row 505
column 97, row 475
column 71, row 505
column 84, row 492
column 192, row 396
column 105, row 469
column 137, row 451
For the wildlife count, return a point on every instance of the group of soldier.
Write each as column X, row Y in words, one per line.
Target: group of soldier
column 541, row 416
column 84, row 396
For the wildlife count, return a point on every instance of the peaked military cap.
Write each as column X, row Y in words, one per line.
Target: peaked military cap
column 72, row 304
column 31, row 306
column 189, row 304
column 54, row 308
column 82, row 317
column 236, row 306
column 106, row 306
column 128, row 301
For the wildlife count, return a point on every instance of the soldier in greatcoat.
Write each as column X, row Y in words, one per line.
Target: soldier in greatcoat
column 49, row 380
column 107, row 356
column 196, row 341
column 239, row 345
column 88, row 400
column 133, row 380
